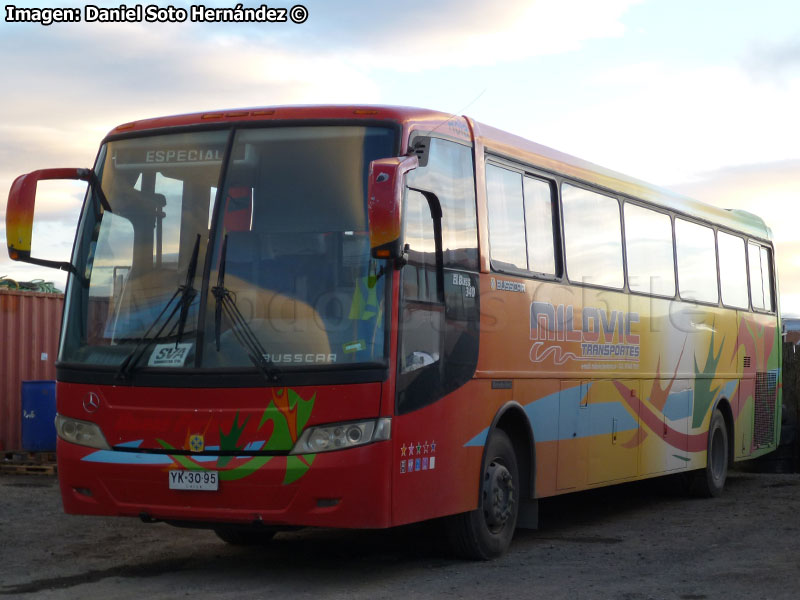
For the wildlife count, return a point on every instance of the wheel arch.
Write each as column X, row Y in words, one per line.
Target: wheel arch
column 724, row 406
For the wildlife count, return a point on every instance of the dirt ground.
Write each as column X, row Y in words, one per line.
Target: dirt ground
column 631, row 542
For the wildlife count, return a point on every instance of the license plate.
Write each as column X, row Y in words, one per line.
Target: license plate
column 194, row 480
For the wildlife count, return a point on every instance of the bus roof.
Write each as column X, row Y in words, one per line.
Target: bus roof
column 515, row 147
column 402, row 115
column 494, row 140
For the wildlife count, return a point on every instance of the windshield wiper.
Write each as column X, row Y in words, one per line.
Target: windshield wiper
column 186, row 294
column 97, row 189
column 187, row 290
column 244, row 334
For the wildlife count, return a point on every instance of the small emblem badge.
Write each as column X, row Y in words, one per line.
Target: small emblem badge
column 196, row 443
column 91, row 402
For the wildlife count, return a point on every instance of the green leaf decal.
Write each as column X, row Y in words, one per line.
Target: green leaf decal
column 248, row 468
column 280, row 439
column 302, row 407
column 230, row 441
column 704, row 390
column 296, row 467
column 289, row 413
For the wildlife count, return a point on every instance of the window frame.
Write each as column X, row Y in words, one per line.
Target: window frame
column 496, row 263
column 746, row 268
column 557, row 179
column 713, row 230
column 620, row 202
column 554, row 183
column 418, row 133
column 658, row 210
column 770, row 274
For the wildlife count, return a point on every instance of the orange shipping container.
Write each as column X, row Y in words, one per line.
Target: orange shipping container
column 29, row 328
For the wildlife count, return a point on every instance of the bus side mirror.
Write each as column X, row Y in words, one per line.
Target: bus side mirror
column 19, row 214
column 384, row 196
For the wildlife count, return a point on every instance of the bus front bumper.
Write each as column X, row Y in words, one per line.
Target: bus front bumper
column 347, row 489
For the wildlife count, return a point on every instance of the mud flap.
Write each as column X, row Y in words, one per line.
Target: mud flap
column 528, row 517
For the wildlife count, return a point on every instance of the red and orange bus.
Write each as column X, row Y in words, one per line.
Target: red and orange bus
column 364, row 317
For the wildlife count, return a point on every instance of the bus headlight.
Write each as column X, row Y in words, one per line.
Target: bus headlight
column 340, row 436
column 81, row 433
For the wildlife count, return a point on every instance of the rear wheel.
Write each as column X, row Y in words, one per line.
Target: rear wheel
column 709, row 482
column 486, row 532
column 241, row 536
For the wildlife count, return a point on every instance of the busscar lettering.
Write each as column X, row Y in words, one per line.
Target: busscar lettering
column 300, row 358
column 503, row 285
column 43, row 16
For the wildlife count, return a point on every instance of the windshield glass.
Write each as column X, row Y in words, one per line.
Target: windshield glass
column 289, row 280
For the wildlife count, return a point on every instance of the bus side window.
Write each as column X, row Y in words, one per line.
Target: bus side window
column 732, row 270
column 760, row 262
column 648, row 246
column 506, row 218
column 422, row 318
column 697, row 262
column 449, row 174
column 439, row 341
column 541, row 226
column 593, row 237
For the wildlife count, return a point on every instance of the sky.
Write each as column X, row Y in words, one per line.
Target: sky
column 701, row 97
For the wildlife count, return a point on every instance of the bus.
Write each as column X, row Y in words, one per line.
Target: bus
column 365, row 317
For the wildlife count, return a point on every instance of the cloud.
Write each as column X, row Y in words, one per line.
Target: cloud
column 663, row 122
column 773, row 61
column 454, row 33
column 138, row 71
column 72, row 84
column 769, row 189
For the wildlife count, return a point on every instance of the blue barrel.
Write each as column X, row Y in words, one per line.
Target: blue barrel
column 38, row 416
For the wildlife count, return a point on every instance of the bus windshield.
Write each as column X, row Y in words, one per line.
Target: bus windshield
column 230, row 249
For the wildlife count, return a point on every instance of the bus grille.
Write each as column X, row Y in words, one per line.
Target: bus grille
column 764, row 418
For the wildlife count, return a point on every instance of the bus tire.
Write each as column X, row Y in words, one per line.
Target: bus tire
column 238, row 536
column 709, row 482
column 486, row 532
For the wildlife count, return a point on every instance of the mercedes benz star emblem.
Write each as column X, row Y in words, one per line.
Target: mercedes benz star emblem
column 91, row 402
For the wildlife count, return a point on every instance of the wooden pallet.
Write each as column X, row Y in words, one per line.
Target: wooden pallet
column 28, row 463
column 21, row 456
column 20, row 469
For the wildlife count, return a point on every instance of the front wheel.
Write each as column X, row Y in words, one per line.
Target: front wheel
column 486, row 532
column 709, row 482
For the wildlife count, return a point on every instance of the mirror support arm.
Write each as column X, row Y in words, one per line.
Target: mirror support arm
column 436, row 214
column 19, row 216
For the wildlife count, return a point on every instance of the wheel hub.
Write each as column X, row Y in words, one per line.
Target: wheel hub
column 498, row 496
